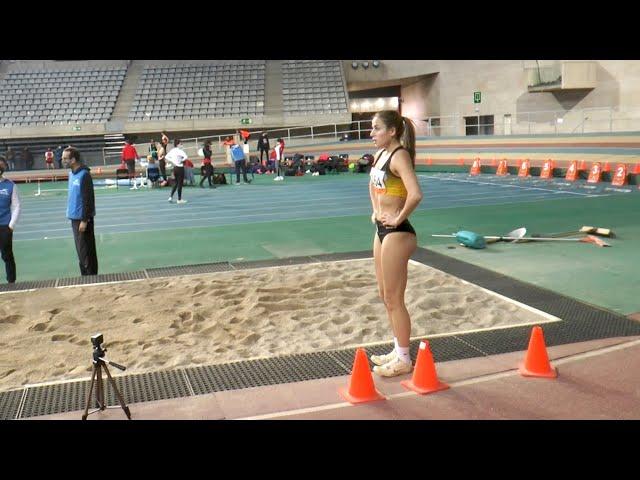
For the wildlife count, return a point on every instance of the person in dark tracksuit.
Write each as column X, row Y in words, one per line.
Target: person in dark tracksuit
column 9, row 213
column 81, row 208
column 263, row 147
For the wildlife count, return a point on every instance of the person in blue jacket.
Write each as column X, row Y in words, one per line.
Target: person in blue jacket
column 81, row 209
column 9, row 213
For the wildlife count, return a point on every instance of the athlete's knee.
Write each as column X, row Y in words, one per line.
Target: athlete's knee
column 393, row 300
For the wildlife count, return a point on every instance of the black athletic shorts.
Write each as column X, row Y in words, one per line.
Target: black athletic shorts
column 383, row 231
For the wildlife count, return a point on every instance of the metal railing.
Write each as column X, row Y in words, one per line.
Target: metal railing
column 547, row 122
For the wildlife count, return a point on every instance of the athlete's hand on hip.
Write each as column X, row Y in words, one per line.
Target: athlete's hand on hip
column 83, row 226
column 388, row 220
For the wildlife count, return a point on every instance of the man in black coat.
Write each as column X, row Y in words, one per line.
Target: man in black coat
column 263, row 145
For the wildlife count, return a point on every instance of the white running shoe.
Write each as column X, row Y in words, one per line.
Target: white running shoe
column 393, row 368
column 181, row 201
column 170, row 199
column 386, row 358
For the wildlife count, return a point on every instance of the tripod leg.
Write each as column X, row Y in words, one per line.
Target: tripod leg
column 100, row 390
column 93, row 379
column 115, row 389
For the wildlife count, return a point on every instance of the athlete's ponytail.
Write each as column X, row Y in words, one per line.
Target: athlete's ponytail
column 405, row 131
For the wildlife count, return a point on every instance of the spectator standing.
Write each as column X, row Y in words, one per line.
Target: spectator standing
column 58, row 155
column 153, row 150
column 129, row 156
column 206, row 170
column 240, row 163
column 263, row 147
column 279, row 149
column 81, row 208
column 162, row 163
column 177, row 156
column 48, row 158
column 164, row 140
column 9, row 213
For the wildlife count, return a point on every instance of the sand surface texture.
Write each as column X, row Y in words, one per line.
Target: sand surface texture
column 220, row 317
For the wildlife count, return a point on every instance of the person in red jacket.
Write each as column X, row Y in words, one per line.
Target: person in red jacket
column 129, row 156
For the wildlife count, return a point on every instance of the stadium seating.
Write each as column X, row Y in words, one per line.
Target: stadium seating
column 213, row 90
column 59, row 97
column 313, row 87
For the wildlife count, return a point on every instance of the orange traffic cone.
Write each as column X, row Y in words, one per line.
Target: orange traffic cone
column 361, row 388
column 424, row 379
column 536, row 362
column 583, row 165
column 636, row 169
column 607, row 167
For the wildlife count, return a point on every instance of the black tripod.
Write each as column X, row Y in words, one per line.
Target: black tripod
column 98, row 364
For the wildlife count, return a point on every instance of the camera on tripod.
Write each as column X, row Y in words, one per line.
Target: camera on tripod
column 98, row 351
column 100, row 364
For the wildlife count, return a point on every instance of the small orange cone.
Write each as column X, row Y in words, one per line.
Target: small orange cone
column 636, row 169
column 475, row 167
column 536, row 362
column 607, row 167
column 583, row 165
column 361, row 388
column 424, row 379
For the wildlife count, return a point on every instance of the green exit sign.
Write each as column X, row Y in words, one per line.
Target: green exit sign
column 245, row 121
column 477, row 97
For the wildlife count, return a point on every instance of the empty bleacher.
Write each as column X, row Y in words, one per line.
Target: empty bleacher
column 313, row 87
column 213, row 90
column 44, row 97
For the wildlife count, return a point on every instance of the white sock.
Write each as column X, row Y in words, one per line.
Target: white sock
column 403, row 354
column 395, row 343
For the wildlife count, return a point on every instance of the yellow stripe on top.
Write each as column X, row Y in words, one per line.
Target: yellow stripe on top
column 395, row 186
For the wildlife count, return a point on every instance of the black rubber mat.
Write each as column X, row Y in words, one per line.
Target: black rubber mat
column 58, row 398
column 18, row 286
column 101, row 278
column 147, row 387
column 9, row 404
column 269, row 371
column 189, row 269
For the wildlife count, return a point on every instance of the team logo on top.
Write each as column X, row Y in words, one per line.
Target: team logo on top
column 4, row 191
column 76, row 181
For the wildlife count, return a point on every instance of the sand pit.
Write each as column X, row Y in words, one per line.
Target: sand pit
column 214, row 318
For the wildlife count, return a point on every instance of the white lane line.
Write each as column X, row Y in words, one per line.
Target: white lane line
column 460, row 383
